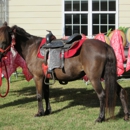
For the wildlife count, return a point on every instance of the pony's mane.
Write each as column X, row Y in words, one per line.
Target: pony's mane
column 20, row 31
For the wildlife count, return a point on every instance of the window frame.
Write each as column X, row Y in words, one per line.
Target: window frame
column 90, row 13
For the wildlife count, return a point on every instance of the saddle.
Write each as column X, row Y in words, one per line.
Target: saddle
column 54, row 52
column 52, row 42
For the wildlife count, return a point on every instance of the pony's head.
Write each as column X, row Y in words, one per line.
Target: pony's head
column 5, row 39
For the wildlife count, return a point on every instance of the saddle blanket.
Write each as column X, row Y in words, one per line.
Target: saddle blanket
column 71, row 52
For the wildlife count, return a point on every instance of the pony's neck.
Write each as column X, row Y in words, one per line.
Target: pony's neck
column 24, row 45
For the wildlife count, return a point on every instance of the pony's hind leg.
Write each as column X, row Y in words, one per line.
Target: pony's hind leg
column 123, row 97
column 46, row 94
column 101, row 95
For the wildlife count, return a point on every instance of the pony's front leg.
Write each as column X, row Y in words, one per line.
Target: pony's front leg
column 46, row 96
column 123, row 97
column 39, row 94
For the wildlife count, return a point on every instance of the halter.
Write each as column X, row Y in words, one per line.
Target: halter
column 12, row 44
column 3, row 51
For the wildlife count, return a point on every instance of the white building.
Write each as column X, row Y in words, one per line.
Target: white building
column 64, row 17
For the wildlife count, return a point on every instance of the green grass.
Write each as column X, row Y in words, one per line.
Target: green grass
column 75, row 106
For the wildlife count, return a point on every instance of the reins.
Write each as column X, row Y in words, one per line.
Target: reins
column 4, row 51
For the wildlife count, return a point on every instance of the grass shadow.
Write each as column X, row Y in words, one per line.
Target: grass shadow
column 26, row 91
column 75, row 96
column 78, row 96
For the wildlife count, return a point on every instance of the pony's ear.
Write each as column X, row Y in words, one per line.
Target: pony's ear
column 5, row 24
column 14, row 31
column 14, row 28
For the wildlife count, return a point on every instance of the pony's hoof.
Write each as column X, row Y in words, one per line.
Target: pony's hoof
column 39, row 114
column 47, row 112
column 126, row 117
column 100, row 120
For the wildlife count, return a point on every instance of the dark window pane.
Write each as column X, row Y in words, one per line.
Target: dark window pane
column 84, row 5
column 95, row 18
column 103, row 5
column 84, row 18
column 103, row 18
column 68, row 19
column 103, row 29
column 112, row 6
column 111, row 27
column 95, row 5
column 95, row 30
column 68, row 30
column 76, row 29
column 76, row 19
column 111, row 18
column 84, row 30
column 76, row 5
column 68, row 6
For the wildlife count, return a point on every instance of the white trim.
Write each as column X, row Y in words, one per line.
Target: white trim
column 89, row 18
column 117, row 14
column 63, row 18
column 5, row 10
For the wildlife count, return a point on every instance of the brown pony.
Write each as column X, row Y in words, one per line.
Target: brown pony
column 95, row 58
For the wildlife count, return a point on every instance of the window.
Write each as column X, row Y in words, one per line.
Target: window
column 76, row 16
column 89, row 16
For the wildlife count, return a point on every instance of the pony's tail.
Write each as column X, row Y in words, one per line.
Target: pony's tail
column 110, row 77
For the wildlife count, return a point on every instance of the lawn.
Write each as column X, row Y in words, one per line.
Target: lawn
column 75, row 106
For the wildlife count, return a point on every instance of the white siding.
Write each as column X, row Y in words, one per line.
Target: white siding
column 36, row 16
column 124, row 13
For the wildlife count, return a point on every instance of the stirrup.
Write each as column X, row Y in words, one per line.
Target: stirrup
column 52, row 75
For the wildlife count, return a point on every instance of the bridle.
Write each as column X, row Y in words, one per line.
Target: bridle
column 4, row 52
column 8, row 48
